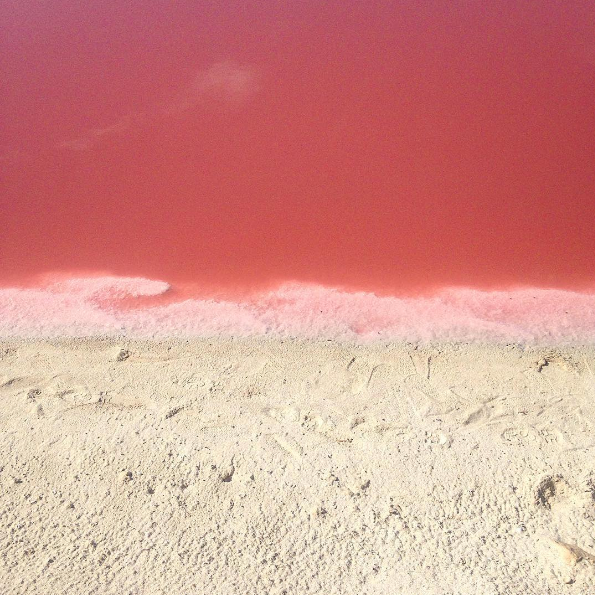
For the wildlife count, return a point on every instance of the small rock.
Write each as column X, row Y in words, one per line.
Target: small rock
column 443, row 439
column 123, row 354
column 125, row 476
column 227, row 475
column 33, row 394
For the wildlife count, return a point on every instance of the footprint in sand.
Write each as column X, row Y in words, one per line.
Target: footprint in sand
column 551, row 490
column 570, row 507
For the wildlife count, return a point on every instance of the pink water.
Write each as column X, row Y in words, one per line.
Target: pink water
column 280, row 157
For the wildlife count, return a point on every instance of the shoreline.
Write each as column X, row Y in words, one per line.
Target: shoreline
column 394, row 344
column 117, row 306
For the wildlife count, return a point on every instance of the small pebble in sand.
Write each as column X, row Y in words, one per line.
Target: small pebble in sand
column 125, row 476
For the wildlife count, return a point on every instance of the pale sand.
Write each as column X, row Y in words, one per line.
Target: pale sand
column 268, row 466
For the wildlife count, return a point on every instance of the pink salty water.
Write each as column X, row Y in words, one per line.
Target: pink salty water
column 348, row 170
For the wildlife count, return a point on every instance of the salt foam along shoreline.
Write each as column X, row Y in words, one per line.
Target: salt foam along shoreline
column 105, row 306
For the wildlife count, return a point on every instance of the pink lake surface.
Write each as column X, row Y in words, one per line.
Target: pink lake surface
column 338, row 169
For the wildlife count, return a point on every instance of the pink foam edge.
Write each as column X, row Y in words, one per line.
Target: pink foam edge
column 112, row 306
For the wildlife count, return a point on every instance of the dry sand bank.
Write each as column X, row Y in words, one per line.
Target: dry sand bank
column 268, row 466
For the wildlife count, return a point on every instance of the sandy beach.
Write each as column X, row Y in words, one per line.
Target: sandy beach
column 297, row 298
column 285, row 466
